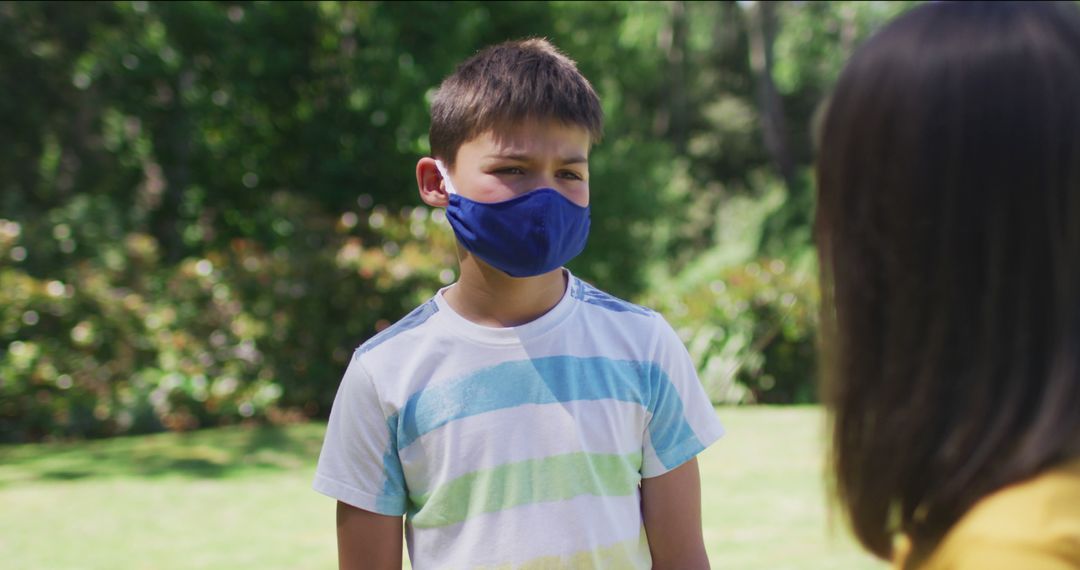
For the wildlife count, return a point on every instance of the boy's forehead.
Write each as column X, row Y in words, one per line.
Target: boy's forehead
column 524, row 137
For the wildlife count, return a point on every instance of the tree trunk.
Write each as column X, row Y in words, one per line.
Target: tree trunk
column 175, row 156
column 725, row 33
column 762, row 33
column 678, row 102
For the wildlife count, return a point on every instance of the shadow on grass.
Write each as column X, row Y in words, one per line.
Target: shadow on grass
column 205, row 454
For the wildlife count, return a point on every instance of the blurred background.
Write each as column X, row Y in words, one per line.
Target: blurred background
column 206, row 206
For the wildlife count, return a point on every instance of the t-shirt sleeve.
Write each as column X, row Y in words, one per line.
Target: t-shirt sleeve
column 359, row 464
column 682, row 421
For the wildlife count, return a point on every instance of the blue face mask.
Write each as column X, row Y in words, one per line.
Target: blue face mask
column 524, row 236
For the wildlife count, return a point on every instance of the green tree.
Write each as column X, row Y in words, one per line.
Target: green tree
column 206, row 205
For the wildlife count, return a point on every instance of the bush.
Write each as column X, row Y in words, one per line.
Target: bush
column 751, row 332
column 118, row 342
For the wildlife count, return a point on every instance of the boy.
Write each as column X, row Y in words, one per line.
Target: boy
column 520, row 418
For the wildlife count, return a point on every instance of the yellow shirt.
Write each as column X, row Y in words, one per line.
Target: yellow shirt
column 1032, row 525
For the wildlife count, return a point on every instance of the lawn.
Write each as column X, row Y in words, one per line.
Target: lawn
column 240, row 498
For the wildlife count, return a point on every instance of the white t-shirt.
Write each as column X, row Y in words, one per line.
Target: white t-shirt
column 517, row 447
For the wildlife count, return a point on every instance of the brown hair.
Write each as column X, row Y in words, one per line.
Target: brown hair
column 506, row 84
column 948, row 228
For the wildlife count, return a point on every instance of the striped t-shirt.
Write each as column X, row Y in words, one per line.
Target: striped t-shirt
column 517, row 447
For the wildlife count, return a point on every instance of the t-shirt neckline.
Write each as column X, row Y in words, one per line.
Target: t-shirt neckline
column 509, row 335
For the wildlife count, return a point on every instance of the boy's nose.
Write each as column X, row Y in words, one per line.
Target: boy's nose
column 543, row 180
column 546, row 182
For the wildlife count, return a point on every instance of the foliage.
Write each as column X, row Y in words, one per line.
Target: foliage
column 749, row 321
column 129, row 344
column 758, row 341
column 206, row 205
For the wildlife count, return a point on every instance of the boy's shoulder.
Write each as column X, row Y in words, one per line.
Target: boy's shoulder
column 643, row 328
column 410, row 323
column 590, row 295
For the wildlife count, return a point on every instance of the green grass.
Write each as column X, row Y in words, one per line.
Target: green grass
column 763, row 495
column 241, row 498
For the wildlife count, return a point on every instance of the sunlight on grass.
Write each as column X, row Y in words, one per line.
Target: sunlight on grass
column 763, row 495
column 241, row 498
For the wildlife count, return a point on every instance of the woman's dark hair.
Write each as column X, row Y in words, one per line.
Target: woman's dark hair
column 948, row 228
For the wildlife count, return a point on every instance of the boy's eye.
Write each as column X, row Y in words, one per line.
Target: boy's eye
column 570, row 175
column 510, row 170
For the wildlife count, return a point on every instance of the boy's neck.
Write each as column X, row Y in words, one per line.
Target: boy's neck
column 489, row 297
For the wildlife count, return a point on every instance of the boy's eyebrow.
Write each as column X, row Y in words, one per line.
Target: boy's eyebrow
column 576, row 159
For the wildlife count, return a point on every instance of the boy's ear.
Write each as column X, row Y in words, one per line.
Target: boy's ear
column 430, row 183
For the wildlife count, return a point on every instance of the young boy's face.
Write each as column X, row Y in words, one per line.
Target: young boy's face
column 506, row 162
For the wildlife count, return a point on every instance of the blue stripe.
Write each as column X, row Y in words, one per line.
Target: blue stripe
column 410, row 321
column 593, row 296
column 394, row 498
column 551, row 380
column 575, row 288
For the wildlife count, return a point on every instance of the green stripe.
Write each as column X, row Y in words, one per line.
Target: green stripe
column 555, row 478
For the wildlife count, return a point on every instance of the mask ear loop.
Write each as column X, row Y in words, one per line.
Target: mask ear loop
column 445, row 176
